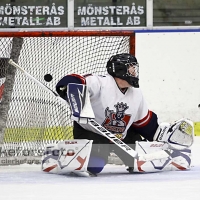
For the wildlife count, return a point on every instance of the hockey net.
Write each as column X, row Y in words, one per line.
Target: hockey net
column 30, row 118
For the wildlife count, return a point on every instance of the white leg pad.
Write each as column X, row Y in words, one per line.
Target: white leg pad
column 67, row 156
column 179, row 159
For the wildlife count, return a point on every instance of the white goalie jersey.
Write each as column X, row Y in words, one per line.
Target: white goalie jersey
column 116, row 109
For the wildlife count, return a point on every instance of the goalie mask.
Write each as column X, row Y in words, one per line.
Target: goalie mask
column 124, row 66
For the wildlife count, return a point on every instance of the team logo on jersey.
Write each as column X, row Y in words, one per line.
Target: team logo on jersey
column 116, row 122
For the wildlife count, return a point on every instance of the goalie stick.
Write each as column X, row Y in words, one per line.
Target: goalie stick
column 145, row 157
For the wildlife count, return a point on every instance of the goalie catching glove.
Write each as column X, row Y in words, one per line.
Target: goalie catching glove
column 179, row 135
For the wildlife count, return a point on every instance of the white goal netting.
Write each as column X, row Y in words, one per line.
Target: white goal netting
column 30, row 118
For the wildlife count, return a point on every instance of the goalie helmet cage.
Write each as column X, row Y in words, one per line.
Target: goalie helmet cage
column 30, row 118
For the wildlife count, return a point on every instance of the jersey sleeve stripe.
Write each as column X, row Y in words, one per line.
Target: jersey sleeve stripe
column 83, row 81
column 144, row 121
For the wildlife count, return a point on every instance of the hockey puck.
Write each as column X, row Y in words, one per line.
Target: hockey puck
column 48, row 77
column 199, row 106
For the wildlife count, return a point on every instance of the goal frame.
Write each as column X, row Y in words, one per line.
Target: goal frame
column 54, row 33
column 131, row 34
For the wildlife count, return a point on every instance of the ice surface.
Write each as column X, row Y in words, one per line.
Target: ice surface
column 28, row 182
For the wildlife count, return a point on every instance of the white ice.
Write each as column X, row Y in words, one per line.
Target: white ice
column 27, row 182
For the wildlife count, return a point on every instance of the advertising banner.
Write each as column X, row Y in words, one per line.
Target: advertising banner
column 110, row 13
column 29, row 14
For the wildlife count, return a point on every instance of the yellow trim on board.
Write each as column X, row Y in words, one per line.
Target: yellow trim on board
column 37, row 134
column 197, row 128
column 53, row 133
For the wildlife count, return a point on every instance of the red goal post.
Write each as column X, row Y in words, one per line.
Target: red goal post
column 130, row 34
column 29, row 117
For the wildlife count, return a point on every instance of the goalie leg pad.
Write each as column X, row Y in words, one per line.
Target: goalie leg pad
column 67, row 156
column 179, row 159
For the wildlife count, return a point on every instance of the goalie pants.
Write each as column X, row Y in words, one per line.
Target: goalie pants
column 102, row 147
